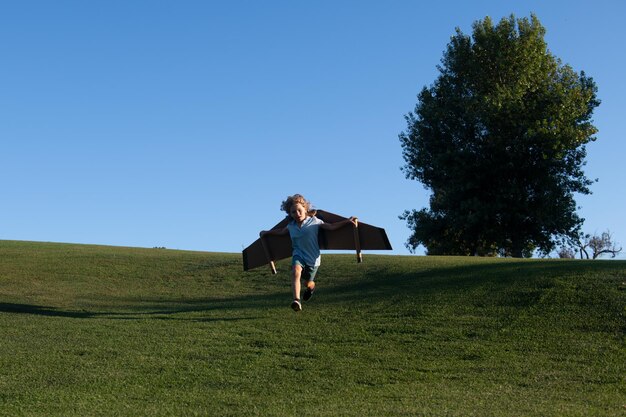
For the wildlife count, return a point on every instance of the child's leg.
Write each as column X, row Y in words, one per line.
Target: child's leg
column 309, row 279
column 309, row 276
column 295, row 281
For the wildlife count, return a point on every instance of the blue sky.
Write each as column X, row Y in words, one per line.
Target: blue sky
column 184, row 124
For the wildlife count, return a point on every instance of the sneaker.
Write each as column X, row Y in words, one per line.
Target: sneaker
column 308, row 293
column 296, row 306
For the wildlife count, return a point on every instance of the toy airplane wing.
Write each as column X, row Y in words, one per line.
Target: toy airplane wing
column 363, row 237
column 269, row 249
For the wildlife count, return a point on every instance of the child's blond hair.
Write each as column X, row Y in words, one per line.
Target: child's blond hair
column 297, row 199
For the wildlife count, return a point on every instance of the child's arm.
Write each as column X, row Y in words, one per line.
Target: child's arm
column 335, row 226
column 274, row 232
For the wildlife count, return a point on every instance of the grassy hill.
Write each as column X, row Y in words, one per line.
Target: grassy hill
column 110, row 331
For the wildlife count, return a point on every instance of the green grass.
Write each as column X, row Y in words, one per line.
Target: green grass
column 93, row 330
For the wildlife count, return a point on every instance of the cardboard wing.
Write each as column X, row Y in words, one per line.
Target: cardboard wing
column 269, row 249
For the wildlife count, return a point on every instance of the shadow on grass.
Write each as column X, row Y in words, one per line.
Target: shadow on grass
column 438, row 280
column 367, row 285
column 42, row 311
column 130, row 315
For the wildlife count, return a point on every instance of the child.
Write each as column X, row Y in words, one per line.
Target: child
column 303, row 230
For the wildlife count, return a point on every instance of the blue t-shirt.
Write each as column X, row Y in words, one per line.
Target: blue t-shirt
column 304, row 240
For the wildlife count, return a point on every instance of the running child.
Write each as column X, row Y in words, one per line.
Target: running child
column 303, row 230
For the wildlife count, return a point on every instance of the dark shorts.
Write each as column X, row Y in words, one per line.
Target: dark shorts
column 308, row 272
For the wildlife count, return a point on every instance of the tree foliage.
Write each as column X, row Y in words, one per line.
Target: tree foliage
column 499, row 138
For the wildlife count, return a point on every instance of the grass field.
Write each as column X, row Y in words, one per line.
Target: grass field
column 109, row 331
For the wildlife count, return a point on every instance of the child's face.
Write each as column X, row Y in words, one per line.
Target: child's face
column 298, row 212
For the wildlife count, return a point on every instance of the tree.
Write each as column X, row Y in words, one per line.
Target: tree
column 599, row 245
column 499, row 139
column 565, row 252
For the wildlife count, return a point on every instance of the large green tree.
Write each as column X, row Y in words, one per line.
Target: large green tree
column 499, row 138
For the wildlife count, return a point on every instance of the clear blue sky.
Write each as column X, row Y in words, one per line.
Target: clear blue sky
column 184, row 124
